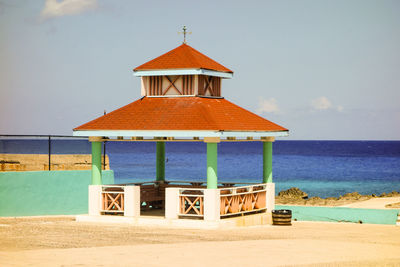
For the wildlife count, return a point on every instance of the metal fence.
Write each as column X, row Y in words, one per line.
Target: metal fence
column 47, row 145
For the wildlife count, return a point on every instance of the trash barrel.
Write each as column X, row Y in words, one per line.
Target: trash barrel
column 281, row 217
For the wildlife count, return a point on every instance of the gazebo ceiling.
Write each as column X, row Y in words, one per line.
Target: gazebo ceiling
column 181, row 117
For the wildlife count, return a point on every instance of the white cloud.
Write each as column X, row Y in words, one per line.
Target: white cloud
column 323, row 103
column 54, row 8
column 269, row 105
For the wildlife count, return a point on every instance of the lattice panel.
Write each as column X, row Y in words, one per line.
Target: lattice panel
column 113, row 202
column 191, row 205
column 232, row 204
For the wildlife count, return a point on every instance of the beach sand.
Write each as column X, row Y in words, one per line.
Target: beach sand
column 375, row 203
column 60, row 241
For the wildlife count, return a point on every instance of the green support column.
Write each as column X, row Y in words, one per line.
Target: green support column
column 212, row 156
column 96, row 163
column 267, row 162
column 160, row 161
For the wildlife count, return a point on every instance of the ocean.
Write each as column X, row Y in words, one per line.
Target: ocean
column 320, row 168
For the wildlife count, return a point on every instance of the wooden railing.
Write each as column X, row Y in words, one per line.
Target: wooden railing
column 233, row 200
column 112, row 200
column 177, row 183
column 244, row 199
column 191, row 202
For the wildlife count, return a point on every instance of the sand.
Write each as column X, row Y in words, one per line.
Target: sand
column 60, row 241
column 375, row 203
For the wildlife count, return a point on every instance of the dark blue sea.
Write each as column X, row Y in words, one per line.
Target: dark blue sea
column 320, row 168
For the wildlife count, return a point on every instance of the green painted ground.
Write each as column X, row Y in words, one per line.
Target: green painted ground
column 339, row 214
column 46, row 192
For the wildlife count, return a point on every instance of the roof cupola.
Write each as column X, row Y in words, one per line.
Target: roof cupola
column 183, row 71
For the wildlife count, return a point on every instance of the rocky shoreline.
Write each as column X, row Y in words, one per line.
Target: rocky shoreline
column 295, row 196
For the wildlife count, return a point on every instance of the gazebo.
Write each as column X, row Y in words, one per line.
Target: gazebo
column 182, row 102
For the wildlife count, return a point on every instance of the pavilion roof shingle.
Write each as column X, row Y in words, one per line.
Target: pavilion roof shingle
column 183, row 57
column 181, row 113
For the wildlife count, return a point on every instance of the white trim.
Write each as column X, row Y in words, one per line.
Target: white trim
column 152, row 96
column 140, row 73
column 177, row 133
column 172, row 96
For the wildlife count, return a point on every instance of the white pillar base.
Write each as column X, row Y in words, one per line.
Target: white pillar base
column 132, row 201
column 94, row 199
column 212, row 204
column 270, row 198
column 171, row 203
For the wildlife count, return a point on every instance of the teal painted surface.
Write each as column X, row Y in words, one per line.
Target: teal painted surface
column 339, row 214
column 267, row 162
column 46, row 192
column 160, row 161
column 212, row 166
column 96, row 163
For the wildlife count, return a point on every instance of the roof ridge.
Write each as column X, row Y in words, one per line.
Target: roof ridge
column 254, row 114
column 108, row 114
column 192, row 56
column 166, row 53
column 198, row 53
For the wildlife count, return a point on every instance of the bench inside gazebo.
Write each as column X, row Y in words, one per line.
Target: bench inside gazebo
column 181, row 102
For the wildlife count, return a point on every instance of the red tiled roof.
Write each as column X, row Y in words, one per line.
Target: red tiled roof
column 181, row 113
column 183, row 57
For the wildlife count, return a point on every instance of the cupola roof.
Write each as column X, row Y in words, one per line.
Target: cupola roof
column 184, row 57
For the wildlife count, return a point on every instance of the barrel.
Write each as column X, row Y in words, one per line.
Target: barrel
column 281, row 217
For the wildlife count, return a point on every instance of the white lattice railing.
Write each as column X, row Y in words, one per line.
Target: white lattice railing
column 244, row 199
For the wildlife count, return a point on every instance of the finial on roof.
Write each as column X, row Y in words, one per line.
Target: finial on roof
column 184, row 34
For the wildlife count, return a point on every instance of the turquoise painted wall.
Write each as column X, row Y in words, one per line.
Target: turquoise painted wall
column 339, row 214
column 46, row 192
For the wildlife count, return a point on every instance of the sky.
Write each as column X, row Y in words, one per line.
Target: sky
column 327, row 70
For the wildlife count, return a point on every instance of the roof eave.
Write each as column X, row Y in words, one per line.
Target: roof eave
column 180, row 133
column 192, row 71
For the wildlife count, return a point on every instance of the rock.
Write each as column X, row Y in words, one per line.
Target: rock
column 294, row 193
column 393, row 205
column 382, row 195
column 393, row 194
column 315, row 201
column 332, row 198
column 354, row 195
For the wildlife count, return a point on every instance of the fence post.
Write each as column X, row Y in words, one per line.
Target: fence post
column 132, row 201
column 95, row 200
column 270, row 197
column 212, row 205
column 171, row 202
column 49, row 153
